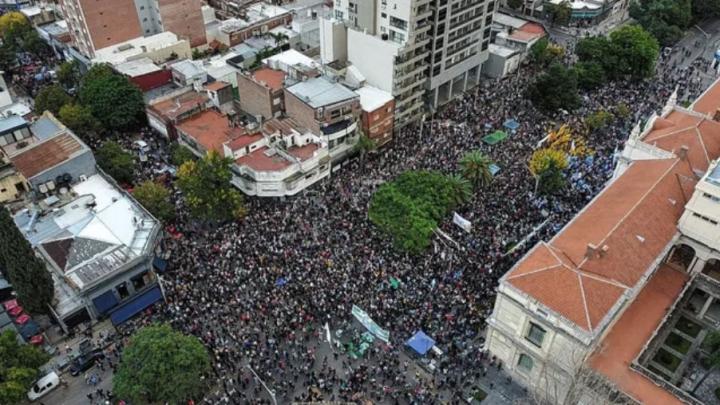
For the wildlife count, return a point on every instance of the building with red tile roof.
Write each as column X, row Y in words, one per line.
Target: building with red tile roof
column 594, row 299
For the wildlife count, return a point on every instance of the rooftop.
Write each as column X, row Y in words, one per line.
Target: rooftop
column 47, row 154
column 217, row 85
column 319, row 91
column 635, row 328
column 269, row 159
column 91, row 236
column 372, row 98
column 502, row 50
column 290, row 58
column 177, row 106
column 138, row 67
column 630, row 222
column 508, row 20
column 125, row 51
column 254, row 14
column 274, row 79
column 211, row 130
column 188, row 68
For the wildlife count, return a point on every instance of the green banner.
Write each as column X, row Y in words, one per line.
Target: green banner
column 371, row 326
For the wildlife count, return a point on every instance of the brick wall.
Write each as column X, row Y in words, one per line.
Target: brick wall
column 301, row 112
column 378, row 124
column 255, row 99
column 184, row 19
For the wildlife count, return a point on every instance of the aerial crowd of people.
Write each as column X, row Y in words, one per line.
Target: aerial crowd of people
column 259, row 292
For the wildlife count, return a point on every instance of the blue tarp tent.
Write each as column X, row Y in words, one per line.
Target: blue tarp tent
column 511, row 125
column 420, row 342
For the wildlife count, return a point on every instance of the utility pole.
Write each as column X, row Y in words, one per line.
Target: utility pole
column 271, row 392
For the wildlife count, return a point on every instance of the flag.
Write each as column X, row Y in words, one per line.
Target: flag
column 394, row 283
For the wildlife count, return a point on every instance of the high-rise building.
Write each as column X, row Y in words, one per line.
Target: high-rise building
column 423, row 52
column 96, row 24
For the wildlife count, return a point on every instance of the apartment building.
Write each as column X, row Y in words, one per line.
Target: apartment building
column 97, row 24
column 425, row 52
column 615, row 307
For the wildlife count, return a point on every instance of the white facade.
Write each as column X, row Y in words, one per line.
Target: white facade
column 159, row 48
column 333, row 40
column 701, row 219
column 379, row 69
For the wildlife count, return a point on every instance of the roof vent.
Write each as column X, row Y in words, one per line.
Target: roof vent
column 716, row 117
column 640, row 238
column 672, row 201
column 683, row 153
column 591, row 251
column 605, row 249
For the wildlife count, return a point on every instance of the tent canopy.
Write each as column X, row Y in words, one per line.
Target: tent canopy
column 420, row 342
column 511, row 124
column 495, row 137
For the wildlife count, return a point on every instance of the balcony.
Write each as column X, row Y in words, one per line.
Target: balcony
column 339, row 129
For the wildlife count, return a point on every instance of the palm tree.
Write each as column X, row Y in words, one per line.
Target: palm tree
column 365, row 145
column 461, row 189
column 476, row 168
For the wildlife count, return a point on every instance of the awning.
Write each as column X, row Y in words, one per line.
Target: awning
column 511, row 124
column 135, row 305
column 420, row 342
column 29, row 330
column 105, row 302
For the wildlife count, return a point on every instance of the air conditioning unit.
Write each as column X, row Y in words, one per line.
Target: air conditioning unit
column 83, row 177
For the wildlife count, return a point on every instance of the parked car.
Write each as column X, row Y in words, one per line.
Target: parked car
column 43, row 386
column 85, row 362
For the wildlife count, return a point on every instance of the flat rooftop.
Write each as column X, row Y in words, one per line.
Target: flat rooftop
column 47, row 154
column 138, row 67
column 211, row 130
column 372, row 98
column 177, row 106
column 124, row 51
column 272, row 78
column 254, row 14
column 632, row 331
column 319, row 91
column 269, row 160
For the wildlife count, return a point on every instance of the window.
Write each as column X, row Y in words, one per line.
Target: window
column 398, row 23
column 122, row 290
column 704, row 218
column 535, row 335
column 711, row 197
column 525, row 362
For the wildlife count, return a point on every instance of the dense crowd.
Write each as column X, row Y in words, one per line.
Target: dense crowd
column 258, row 292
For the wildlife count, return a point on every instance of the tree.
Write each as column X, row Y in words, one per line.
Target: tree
column 555, row 89
column 205, row 184
column 599, row 119
column 13, row 25
column 180, row 154
column 475, row 167
column 364, row 146
column 666, row 20
column 547, row 166
column 69, row 74
column 567, row 141
column 27, row 273
column 51, row 98
column 161, row 365
column 702, row 9
column 79, row 118
column 622, row 110
column 19, row 368
column 113, row 99
column 31, row 42
column 116, row 162
column 591, row 75
column 558, row 13
column 635, row 50
column 410, row 207
column 155, row 198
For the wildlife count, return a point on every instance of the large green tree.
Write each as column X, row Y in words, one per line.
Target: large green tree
column 205, row 184
column 68, row 74
column 51, row 98
column 19, row 364
column 27, row 273
column 630, row 51
column 555, row 89
column 161, row 365
column 475, row 167
column 666, row 20
column 155, row 198
column 79, row 118
column 113, row 99
column 558, row 13
column 702, row 9
column 116, row 162
column 410, row 207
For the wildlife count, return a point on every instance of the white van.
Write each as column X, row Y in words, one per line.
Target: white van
column 43, row 386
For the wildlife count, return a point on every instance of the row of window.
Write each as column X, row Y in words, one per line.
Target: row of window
column 704, row 218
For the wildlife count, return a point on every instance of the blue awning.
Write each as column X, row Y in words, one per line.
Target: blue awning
column 135, row 305
column 105, row 302
column 420, row 342
column 29, row 330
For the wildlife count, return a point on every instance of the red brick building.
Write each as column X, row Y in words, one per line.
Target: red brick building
column 378, row 114
column 184, row 19
column 261, row 92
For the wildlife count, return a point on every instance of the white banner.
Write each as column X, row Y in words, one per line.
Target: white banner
column 462, row 222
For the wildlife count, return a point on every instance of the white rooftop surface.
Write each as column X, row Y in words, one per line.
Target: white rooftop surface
column 124, row 51
column 102, row 238
column 188, row 68
column 255, row 13
column 508, row 20
column 137, row 67
column 15, row 109
column 579, row 4
column 31, row 11
column 319, row 91
column 500, row 50
column 372, row 98
column 290, row 57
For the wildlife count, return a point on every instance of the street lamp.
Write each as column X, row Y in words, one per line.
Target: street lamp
column 271, row 392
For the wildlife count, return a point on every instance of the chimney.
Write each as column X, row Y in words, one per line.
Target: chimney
column 683, row 153
column 591, row 251
column 604, row 251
